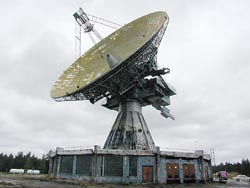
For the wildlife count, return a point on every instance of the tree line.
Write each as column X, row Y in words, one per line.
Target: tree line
column 29, row 161
column 240, row 168
column 23, row 161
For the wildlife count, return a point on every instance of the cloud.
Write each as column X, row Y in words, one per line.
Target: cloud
column 205, row 46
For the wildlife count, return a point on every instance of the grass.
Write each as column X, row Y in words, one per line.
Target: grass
column 232, row 174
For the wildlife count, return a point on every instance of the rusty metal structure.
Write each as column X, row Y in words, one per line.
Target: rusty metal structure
column 122, row 68
column 118, row 69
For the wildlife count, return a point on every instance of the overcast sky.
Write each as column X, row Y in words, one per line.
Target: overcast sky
column 206, row 46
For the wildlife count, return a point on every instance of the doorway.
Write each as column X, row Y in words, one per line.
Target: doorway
column 147, row 174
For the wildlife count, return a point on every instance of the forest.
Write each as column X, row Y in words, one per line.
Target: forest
column 23, row 161
column 242, row 167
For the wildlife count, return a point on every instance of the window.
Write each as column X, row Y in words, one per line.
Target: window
column 84, row 165
column 66, row 165
column 113, row 165
column 132, row 165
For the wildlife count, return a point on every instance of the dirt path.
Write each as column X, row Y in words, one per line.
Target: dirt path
column 25, row 181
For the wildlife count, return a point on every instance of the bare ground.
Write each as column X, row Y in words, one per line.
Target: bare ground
column 42, row 181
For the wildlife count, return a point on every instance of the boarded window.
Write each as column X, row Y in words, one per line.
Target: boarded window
column 66, row 165
column 132, row 166
column 84, row 164
column 172, row 171
column 113, row 165
column 189, row 171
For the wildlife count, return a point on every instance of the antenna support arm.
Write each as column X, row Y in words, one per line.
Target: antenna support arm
column 83, row 20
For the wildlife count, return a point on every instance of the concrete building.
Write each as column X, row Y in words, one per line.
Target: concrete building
column 130, row 166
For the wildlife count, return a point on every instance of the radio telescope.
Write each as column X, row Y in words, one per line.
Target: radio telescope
column 122, row 68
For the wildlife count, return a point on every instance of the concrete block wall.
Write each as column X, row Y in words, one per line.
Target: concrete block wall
column 157, row 161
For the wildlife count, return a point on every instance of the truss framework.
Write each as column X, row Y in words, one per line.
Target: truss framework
column 123, row 77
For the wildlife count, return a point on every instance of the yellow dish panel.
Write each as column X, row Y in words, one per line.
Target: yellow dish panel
column 93, row 64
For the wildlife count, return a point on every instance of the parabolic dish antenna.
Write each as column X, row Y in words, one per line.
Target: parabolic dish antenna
column 92, row 67
column 117, row 68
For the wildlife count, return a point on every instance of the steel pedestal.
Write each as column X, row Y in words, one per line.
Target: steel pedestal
column 130, row 131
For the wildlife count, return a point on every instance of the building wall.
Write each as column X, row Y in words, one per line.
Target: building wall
column 117, row 168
